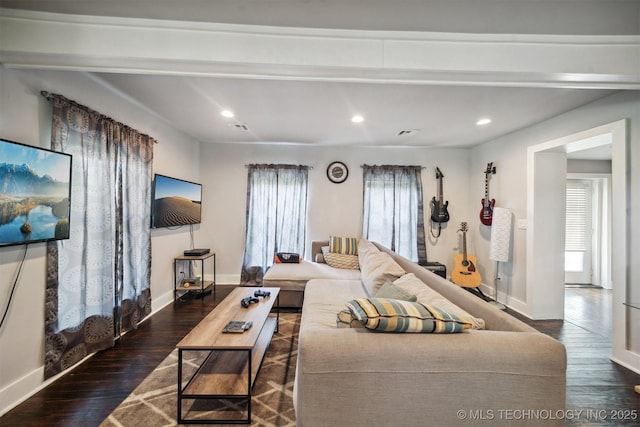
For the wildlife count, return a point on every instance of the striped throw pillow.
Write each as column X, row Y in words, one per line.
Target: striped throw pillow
column 390, row 315
column 343, row 245
column 349, row 262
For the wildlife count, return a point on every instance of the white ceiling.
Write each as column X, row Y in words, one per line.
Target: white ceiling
column 277, row 111
column 319, row 112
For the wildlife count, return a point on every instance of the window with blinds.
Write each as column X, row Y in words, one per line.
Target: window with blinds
column 578, row 206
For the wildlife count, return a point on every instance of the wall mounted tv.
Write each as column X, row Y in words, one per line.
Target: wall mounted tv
column 175, row 202
column 35, row 194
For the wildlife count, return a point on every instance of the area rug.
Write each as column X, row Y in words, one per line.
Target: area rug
column 154, row 401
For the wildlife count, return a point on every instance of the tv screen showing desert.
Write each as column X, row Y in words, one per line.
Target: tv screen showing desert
column 34, row 194
column 176, row 202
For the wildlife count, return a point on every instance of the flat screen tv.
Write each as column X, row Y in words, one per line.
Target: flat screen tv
column 35, row 194
column 175, row 202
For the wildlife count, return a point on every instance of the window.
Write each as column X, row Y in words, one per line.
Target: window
column 276, row 216
column 393, row 213
column 578, row 230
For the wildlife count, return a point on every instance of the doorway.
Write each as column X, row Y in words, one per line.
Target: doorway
column 547, row 173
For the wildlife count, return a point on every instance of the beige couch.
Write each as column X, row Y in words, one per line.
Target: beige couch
column 292, row 278
column 506, row 374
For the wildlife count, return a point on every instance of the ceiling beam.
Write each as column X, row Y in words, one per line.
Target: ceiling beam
column 141, row 46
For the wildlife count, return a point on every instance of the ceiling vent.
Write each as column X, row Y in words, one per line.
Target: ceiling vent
column 408, row 132
column 239, row 126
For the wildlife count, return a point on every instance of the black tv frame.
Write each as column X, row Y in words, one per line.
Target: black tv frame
column 4, row 196
column 184, row 214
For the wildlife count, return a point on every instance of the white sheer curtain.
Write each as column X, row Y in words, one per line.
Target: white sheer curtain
column 393, row 213
column 276, row 216
column 98, row 280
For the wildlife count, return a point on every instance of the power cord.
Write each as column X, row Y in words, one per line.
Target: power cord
column 13, row 287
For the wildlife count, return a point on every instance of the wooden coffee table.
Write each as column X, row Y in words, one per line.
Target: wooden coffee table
column 234, row 360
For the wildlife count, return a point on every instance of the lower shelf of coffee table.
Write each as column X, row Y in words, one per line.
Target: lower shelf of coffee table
column 226, row 372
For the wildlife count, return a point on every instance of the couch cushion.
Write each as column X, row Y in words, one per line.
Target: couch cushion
column 425, row 295
column 343, row 245
column 365, row 247
column 389, row 290
column 389, row 315
column 324, row 298
column 349, row 262
column 306, row 271
column 376, row 268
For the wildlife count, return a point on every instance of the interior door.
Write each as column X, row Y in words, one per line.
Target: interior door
column 579, row 232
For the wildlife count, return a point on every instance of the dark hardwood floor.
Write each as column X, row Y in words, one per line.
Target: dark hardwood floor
column 88, row 394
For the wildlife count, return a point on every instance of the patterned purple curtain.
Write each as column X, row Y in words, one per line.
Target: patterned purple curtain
column 98, row 280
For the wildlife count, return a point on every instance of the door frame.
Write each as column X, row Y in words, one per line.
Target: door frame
column 545, row 297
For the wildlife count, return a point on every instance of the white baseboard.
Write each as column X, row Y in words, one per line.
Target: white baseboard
column 23, row 387
column 513, row 303
column 629, row 360
column 29, row 385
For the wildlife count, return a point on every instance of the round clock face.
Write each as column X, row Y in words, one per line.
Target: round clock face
column 337, row 172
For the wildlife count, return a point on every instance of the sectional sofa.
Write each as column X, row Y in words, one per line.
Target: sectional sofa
column 292, row 278
column 495, row 371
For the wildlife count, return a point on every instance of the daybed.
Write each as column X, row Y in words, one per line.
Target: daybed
column 507, row 373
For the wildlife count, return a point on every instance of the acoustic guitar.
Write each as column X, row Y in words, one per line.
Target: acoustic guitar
column 486, row 214
column 465, row 273
column 439, row 212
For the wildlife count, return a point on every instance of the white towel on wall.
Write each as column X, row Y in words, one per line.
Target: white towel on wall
column 501, row 226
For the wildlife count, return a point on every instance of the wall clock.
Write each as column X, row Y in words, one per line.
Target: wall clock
column 337, row 172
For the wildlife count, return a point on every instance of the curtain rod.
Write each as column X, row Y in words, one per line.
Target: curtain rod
column 308, row 167
column 49, row 96
column 416, row 166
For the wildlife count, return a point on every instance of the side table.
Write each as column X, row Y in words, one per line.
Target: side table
column 181, row 285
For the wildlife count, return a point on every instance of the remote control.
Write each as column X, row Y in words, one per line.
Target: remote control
column 248, row 300
column 237, row 326
column 261, row 293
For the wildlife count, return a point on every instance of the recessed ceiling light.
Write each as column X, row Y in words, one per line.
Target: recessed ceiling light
column 357, row 118
column 483, row 122
column 227, row 113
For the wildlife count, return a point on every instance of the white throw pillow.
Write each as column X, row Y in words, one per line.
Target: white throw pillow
column 376, row 269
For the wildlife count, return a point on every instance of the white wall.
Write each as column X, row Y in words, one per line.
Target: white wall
column 26, row 117
column 589, row 166
column 334, row 209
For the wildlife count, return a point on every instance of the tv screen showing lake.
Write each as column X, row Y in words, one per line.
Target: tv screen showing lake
column 43, row 226
column 35, row 194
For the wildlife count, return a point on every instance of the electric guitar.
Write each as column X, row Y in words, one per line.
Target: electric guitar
column 486, row 214
column 465, row 273
column 439, row 212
